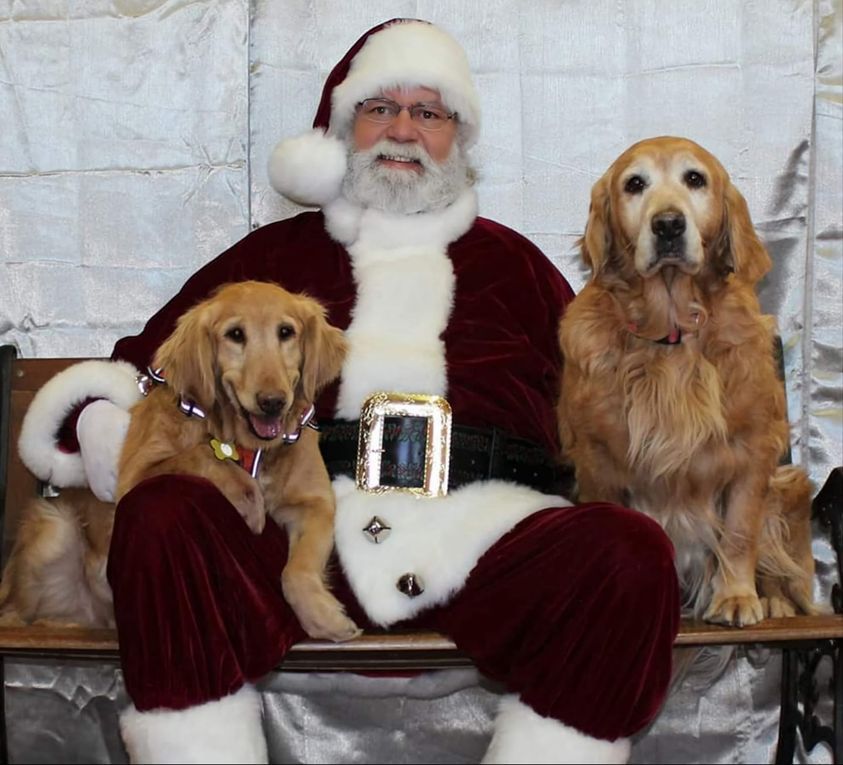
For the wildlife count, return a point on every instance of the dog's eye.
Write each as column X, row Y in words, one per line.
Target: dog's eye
column 635, row 184
column 285, row 331
column 694, row 180
column 236, row 335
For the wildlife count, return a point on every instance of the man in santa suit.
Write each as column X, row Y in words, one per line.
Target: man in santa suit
column 573, row 608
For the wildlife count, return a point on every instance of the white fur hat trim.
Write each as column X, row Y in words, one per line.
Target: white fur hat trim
column 409, row 54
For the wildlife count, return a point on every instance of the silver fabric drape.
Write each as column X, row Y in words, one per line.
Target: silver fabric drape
column 134, row 141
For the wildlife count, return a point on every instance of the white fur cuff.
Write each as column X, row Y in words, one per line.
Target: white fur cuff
column 114, row 380
column 226, row 731
column 521, row 735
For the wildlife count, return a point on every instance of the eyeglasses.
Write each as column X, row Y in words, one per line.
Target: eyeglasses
column 383, row 111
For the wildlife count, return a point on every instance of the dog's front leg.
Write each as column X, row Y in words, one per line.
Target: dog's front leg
column 598, row 478
column 235, row 484
column 735, row 599
column 242, row 491
column 592, row 487
column 311, row 532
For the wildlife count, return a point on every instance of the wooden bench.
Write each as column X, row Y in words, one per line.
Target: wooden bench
column 804, row 640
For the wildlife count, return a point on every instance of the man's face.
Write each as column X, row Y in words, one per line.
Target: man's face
column 398, row 166
column 402, row 129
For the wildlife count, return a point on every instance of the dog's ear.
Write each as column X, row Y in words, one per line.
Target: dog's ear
column 738, row 247
column 323, row 349
column 187, row 356
column 597, row 243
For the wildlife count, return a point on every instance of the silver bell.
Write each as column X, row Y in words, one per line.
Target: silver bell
column 411, row 585
column 376, row 530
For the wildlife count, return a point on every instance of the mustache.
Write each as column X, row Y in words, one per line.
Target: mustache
column 375, row 184
column 390, row 148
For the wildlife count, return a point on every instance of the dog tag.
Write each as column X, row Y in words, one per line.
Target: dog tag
column 224, row 451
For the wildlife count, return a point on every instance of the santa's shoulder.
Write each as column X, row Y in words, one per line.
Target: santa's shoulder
column 296, row 244
column 303, row 225
column 505, row 248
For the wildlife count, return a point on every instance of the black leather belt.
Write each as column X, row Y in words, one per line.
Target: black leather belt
column 477, row 454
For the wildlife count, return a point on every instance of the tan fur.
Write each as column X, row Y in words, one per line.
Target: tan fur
column 227, row 355
column 55, row 574
column 690, row 433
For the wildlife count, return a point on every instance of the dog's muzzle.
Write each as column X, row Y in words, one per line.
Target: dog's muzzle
column 669, row 229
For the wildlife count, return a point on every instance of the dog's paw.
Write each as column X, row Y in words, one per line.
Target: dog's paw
column 778, row 607
column 322, row 616
column 247, row 499
column 735, row 610
column 12, row 618
column 335, row 626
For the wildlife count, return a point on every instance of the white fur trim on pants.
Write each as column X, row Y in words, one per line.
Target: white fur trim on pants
column 521, row 735
column 226, row 731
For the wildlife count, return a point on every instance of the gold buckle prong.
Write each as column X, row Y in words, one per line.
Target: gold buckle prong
column 375, row 410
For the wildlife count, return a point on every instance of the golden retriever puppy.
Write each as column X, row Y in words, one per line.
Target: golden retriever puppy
column 670, row 400
column 246, row 364
column 55, row 575
column 249, row 361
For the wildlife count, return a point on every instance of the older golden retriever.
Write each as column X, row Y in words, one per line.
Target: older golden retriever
column 247, row 364
column 670, row 400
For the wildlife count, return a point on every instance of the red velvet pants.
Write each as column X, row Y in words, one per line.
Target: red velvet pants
column 575, row 609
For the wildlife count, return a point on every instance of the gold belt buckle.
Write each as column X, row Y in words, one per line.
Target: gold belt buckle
column 373, row 415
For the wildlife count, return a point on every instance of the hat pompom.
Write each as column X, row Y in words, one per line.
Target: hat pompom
column 309, row 169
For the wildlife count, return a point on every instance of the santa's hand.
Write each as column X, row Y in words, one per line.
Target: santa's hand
column 101, row 430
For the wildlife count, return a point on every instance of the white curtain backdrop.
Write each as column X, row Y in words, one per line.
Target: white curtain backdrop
column 134, row 136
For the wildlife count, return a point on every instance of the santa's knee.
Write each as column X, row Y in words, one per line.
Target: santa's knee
column 160, row 524
column 624, row 565
column 165, row 503
column 638, row 559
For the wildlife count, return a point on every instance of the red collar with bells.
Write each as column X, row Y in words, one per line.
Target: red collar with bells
column 248, row 459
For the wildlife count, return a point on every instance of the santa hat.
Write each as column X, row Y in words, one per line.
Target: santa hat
column 309, row 169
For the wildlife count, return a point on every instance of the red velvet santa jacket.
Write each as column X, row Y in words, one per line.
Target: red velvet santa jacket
column 441, row 303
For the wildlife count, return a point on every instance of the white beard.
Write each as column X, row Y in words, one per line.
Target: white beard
column 370, row 184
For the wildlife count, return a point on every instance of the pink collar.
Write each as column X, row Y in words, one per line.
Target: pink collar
column 674, row 338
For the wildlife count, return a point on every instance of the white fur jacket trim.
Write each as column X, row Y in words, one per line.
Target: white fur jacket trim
column 405, row 290
column 438, row 539
column 38, row 447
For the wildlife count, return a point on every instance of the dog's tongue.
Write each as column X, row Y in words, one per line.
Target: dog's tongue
column 265, row 427
column 673, row 337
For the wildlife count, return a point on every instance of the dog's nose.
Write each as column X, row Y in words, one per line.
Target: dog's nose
column 270, row 403
column 668, row 225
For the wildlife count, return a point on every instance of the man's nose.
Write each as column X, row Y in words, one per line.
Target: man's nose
column 402, row 128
